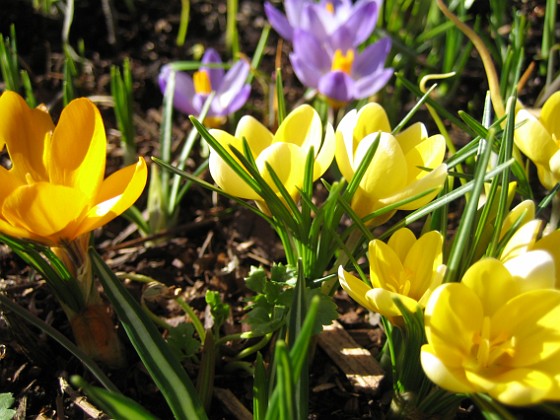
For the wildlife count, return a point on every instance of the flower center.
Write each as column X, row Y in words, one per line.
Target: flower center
column 201, row 81
column 330, row 7
column 343, row 62
column 491, row 349
column 402, row 283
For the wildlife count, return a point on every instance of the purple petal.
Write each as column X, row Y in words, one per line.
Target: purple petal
column 306, row 73
column 309, row 47
column 318, row 21
column 234, row 80
column 342, row 39
column 216, row 75
column 370, row 85
column 184, row 89
column 238, row 100
column 293, row 10
column 362, row 21
column 279, row 22
column 337, row 85
column 371, row 59
column 199, row 100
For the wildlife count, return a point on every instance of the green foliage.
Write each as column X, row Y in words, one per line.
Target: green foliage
column 184, row 22
column 6, row 401
column 14, row 78
column 164, row 368
column 114, row 404
column 269, row 308
column 218, row 309
column 121, row 90
column 182, row 342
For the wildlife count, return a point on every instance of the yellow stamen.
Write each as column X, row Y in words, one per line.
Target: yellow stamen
column 343, row 62
column 490, row 350
column 330, row 7
column 201, row 81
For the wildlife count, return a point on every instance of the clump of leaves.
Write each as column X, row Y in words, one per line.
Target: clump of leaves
column 268, row 309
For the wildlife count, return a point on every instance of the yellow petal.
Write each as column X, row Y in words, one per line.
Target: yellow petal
column 411, row 137
column 301, row 127
column 19, row 232
column 344, row 154
column 387, row 172
column 424, row 257
column 401, row 241
column 256, row 134
column 554, row 165
column 546, row 177
column 48, row 211
column 24, row 130
column 117, row 193
column 492, row 283
column 386, row 270
column 383, row 302
column 550, row 114
column 437, row 279
column 364, row 204
column 226, row 178
column 450, row 378
column 532, row 138
column 453, row 316
column 432, row 181
column 523, row 239
column 519, row 215
column 355, row 288
column 531, row 318
column 8, row 183
column 75, row 154
column 288, row 162
column 517, row 387
column 371, row 118
column 325, row 156
column 533, row 270
column 426, row 154
column 551, row 244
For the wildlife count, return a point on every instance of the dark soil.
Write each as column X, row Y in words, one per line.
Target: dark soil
column 214, row 244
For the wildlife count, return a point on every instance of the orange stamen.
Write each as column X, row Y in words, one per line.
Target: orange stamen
column 201, row 81
column 343, row 62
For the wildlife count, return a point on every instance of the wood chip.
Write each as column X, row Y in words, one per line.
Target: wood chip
column 232, row 404
column 360, row 367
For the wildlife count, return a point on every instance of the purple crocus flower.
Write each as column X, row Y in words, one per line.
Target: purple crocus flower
column 325, row 18
column 190, row 94
column 337, row 70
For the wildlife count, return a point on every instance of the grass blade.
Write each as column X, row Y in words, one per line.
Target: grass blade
column 161, row 363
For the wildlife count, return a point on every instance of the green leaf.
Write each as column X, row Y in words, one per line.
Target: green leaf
column 260, row 389
column 164, row 368
column 116, row 405
column 218, row 309
column 256, row 279
column 6, row 401
column 182, row 342
column 327, row 312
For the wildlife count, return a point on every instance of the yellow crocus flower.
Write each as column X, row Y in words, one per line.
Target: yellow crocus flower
column 55, row 189
column 525, row 244
column 405, row 268
column 285, row 151
column 496, row 332
column 539, row 139
column 406, row 164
